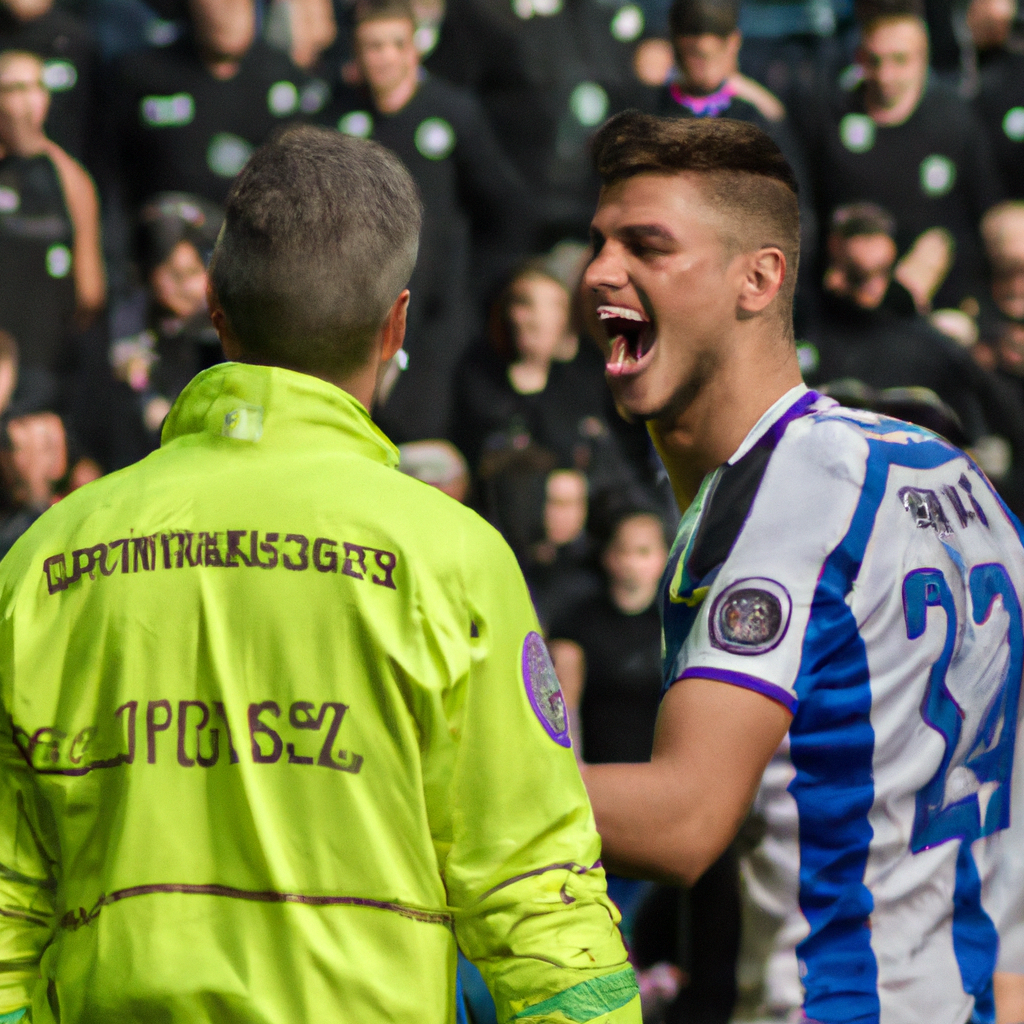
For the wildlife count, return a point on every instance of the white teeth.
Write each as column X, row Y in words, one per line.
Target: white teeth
column 622, row 312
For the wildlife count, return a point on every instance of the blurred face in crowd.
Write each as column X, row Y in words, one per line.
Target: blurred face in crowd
column 635, row 560
column 24, row 102
column 565, row 506
column 179, row 283
column 860, row 268
column 666, row 290
column 1004, row 242
column 1011, row 348
column 37, row 457
column 538, row 314
column 385, row 53
column 990, row 21
column 894, row 56
column 225, row 28
column 706, row 61
column 27, row 10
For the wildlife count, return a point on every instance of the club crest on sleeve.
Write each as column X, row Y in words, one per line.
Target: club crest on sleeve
column 543, row 690
column 750, row 616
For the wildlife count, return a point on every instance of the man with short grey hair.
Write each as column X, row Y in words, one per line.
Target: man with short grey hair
column 278, row 734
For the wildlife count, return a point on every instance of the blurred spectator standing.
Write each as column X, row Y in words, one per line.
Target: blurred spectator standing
column 51, row 267
column 1003, row 231
column 904, row 140
column 548, row 72
column 1000, row 96
column 469, row 190
column 68, row 51
column 187, row 117
column 871, row 332
column 175, row 236
column 516, row 388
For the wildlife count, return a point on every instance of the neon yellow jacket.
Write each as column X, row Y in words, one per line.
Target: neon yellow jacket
column 276, row 730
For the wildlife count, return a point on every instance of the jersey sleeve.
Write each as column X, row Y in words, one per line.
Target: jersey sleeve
column 523, row 874
column 757, row 606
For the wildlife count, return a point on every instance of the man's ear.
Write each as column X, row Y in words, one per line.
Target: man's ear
column 393, row 328
column 764, row 272
column 228, row 340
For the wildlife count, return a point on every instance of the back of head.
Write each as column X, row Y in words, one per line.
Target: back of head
column 703, row 18
column 743, row 175
column 319, row 239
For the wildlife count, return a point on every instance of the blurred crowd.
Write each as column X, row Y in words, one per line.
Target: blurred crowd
column 123, row 123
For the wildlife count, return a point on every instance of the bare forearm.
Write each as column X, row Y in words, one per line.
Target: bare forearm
column 651, row 829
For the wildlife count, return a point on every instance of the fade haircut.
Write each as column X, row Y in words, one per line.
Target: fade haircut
column 320, row 237
column 743, row 176
column 703, row 18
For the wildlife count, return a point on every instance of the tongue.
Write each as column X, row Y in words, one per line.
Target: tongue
column 620, row 352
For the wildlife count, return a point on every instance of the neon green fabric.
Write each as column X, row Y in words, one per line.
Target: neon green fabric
column 266, row 741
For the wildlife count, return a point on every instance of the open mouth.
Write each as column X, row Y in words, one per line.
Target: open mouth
column 631, row 337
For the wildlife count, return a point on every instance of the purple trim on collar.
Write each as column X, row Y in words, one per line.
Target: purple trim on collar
column 771, row 437
column 724, row 675
column 711, row 105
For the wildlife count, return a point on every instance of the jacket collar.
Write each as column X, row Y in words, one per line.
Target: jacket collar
column 274, row 408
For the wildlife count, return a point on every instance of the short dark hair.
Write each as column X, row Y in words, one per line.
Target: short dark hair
column 319, row 239
column 856, row 219
column 870, row 12
column 703, row 18
column 744, row 175
column 170, row 218
column 382, row 10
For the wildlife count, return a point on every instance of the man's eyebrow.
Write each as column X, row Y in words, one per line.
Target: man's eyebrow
column 636, row 232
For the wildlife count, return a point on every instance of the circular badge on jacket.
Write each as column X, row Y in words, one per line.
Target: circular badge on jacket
column 857, row 132
column 435, row 138
column 543, row 690
column 750, row 616
column 938, row 175
column 1013, row 124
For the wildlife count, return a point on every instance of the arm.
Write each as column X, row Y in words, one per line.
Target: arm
column 676, row 815
column 1009, row 997
column 84, row 207
column 522, row 869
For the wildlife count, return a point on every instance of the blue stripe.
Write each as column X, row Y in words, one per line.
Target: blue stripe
column 975, row 941
column 832, row 746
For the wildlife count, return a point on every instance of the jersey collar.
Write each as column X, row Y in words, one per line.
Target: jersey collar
column 275, row 408
column 795, row 402
column 711, row 105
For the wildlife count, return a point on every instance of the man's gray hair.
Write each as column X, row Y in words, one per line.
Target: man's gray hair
column 320, row 238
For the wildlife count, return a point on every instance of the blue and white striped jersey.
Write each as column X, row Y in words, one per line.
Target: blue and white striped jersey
column 862, row 572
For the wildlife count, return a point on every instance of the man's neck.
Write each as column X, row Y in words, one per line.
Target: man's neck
column 704, row 435
column 391, row 100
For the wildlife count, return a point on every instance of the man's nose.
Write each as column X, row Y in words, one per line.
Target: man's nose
column 605, row 270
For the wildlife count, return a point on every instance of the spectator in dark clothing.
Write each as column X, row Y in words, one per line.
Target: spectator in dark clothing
column 175, row 237
column 907, row 142
column 67, row 48
column 549, row 72
column 511, row 390
column 560, row 568
column 187, row 117
column 470, row 193
column 872, row 333
column 999, row 101
column 607, row 649
column 51, row 267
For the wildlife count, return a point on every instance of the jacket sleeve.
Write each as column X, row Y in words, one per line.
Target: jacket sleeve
column 523, row 873
column 27, row 882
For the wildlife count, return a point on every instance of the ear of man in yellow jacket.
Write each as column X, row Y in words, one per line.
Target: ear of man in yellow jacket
column 278, row 732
